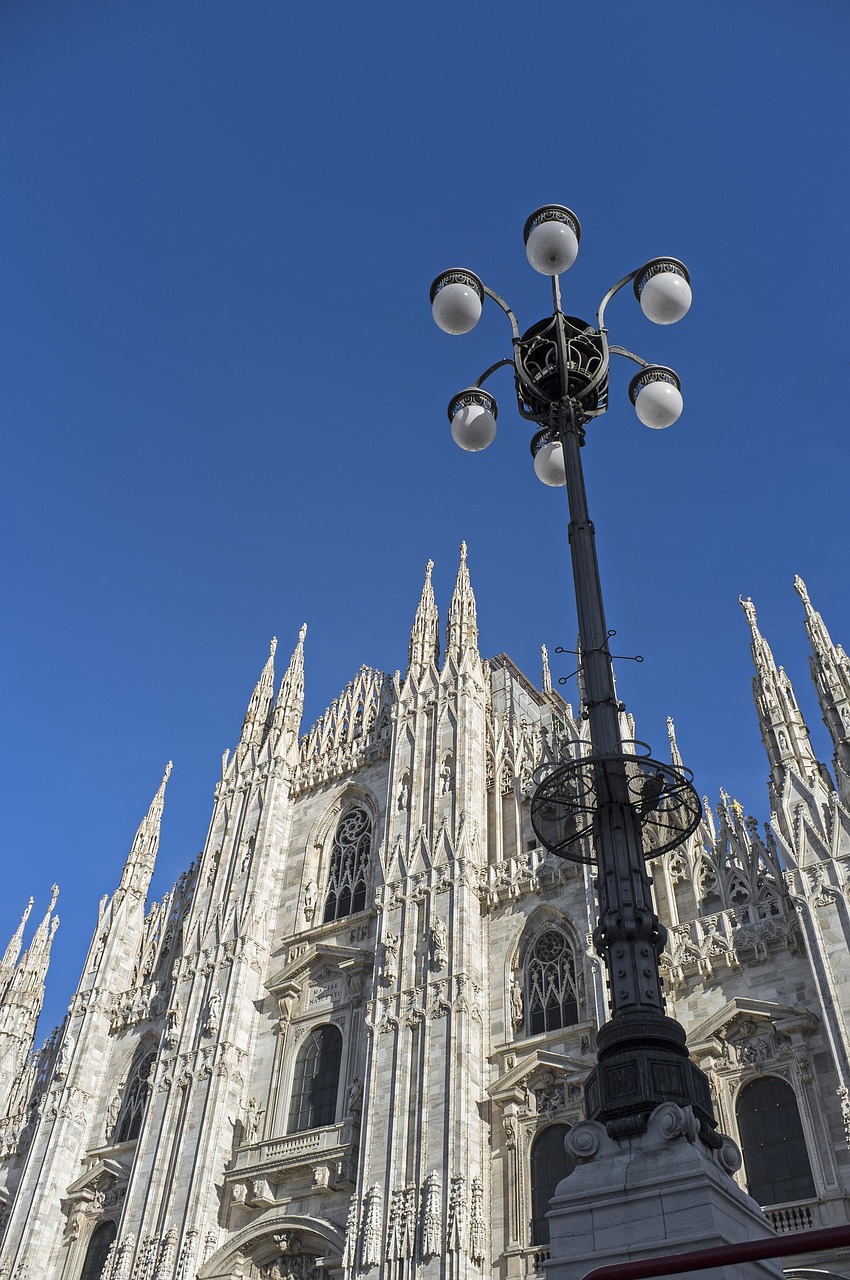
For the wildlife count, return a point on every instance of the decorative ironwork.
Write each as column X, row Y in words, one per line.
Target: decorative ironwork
column 551, row 213
column 472, row 395
column 657, row 267
column 570, row 792
column 458, row 275
column 538, row 364
column 652, row 373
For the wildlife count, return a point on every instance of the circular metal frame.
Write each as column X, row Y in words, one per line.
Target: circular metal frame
column 655, row 267
column 652, row 373
column 458, row 275
column 570, row 793
column 472, row 395
column 551, row 213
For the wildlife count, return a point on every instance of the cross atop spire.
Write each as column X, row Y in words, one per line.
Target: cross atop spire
column 462, row 626
column 424, row 647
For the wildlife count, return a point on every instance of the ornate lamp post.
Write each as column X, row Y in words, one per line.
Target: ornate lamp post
column 627, row 805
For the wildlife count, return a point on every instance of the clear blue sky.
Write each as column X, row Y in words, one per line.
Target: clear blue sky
column 223, row 397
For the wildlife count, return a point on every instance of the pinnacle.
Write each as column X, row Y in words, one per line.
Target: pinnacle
column 802, row 591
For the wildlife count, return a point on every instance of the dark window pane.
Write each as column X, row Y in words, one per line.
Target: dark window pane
column 548, row 1167
column 136, row 1092
column 102, row 1237
column 352, row 848
column 316, row 1080
column 551, row 997
column 776, row 1161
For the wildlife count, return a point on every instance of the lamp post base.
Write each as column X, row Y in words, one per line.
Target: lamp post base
column 660, row 1192
column 643, row 1062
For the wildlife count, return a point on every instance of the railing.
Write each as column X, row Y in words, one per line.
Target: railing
column 792, row 1217
column 310, row 1143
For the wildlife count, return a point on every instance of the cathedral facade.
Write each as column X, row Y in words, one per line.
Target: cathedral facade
column 352, row 1037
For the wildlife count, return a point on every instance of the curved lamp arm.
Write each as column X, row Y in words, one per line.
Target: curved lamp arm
column 500, row 302
column 600, row 314
column 630, row 355
column 493, row 367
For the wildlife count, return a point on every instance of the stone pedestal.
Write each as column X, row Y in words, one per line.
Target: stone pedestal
column 662, row 1192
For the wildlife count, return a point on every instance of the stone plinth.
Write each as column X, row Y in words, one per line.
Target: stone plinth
column 662, row 1192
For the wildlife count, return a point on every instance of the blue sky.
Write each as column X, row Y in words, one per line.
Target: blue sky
column 223, row 397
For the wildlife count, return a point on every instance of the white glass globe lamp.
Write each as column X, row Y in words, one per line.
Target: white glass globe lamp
column 473, row 414
column 551, row 237
column 663, row 289
column 656, row 396
column 548, row 460
column 457, row 297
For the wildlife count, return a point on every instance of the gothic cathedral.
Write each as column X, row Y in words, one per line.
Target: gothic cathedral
column 350, row 1040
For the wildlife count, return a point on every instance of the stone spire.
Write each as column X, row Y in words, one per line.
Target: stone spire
column 13, row 951
column 286, row 718
column 675, row 754
column 462, row 626
column 138, row 868
column 830, row 668
column 256, row 717
column 783, row 730
column 424, row 647
column 23, row 997
column 547, row 674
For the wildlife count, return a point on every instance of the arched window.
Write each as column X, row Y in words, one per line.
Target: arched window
column 136, row 1093
column 316, row 1081
column 102, row 1237
column 548, row 1167
column 776, row 1161
column 551, row 997
column 349, row 865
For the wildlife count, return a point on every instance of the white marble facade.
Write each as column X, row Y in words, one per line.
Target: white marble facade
column 324, row 1049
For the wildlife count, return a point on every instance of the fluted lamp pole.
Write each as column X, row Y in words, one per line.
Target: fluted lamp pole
column 613, row 807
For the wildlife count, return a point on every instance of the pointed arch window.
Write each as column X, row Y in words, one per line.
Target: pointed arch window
column 548, row 1167
column 776, row 1161
column 102, row 1238
column 352, row 849
column 316, row 1080
column 551, row 992
column 136, row 1094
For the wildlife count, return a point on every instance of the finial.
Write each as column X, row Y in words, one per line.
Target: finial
column 750, row 610
column 547, row 675
column 463, row 552
column 167, row 773
column 273, row 646
column 302, row 633
column 428, row 567
column 54, row 894
column 800, row 588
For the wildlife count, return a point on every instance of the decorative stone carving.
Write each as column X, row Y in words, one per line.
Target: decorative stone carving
column 212, row 1015
column 439, row 938
column 389, row 974
column 371, row 1250
column 311, row 897
column 477, row 1229
column 432, row 1244
column 456, row 1230
column 844, row 1098
column 354, row 1097
column 516, row 997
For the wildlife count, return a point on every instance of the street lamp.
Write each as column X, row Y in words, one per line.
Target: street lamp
column 615, row 800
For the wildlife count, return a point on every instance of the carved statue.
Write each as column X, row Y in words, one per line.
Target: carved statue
column 113, row 1111
column 253, row 1116
column 446, row 777
column 439, row 943
column 403, row 801
column 213, row 1014
column 517, row 1011
column 311, row 896
column 354, row 1097
column 391, row 941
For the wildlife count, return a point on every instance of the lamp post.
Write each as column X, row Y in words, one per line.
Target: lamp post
column 627, row 806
